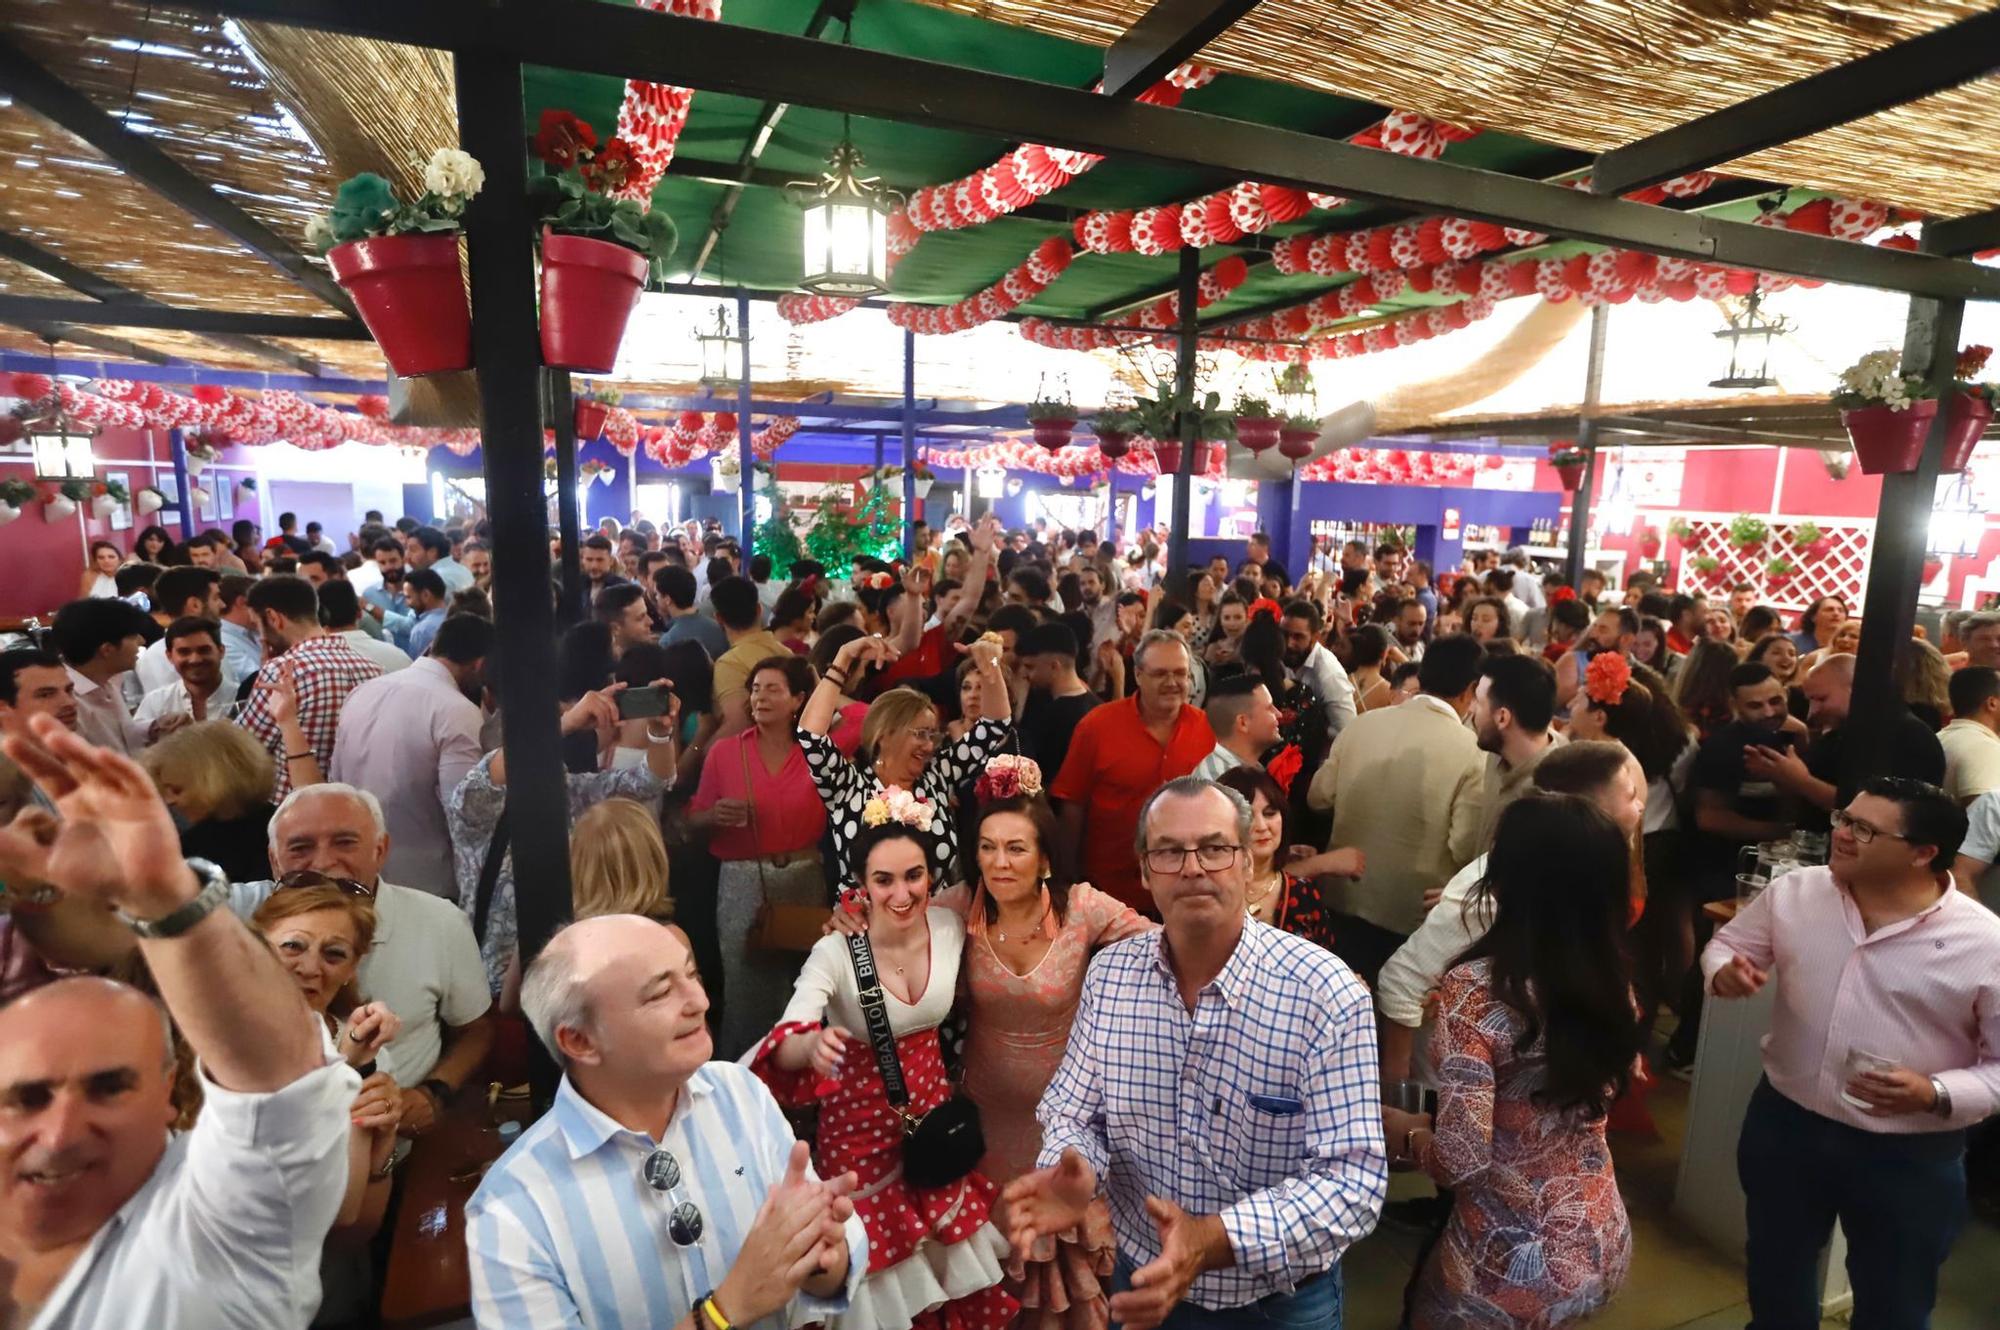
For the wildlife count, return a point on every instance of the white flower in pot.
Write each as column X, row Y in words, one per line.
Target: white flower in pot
column 102, row 506
column 8, row 512
column 149, row 501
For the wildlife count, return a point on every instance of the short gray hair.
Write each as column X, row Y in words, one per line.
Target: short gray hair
column 325, row 790
column 1190, row 787
column 1974, row 622
column 1155, row 637
column 554, row 994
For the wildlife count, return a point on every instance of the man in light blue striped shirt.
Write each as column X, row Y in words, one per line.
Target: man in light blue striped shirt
column 1220, row 1084
column 662, row 1189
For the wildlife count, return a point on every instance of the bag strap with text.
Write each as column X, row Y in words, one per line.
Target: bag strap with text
column 875, row 1010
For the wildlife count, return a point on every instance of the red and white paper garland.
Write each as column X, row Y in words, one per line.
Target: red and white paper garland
column 652, row 115
column 694, row 436
column 1028, row 280
column 1077, row 462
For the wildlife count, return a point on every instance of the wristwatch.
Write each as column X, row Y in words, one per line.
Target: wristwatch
column 1943, row 1105
column 437, row 1090
column 214, row 891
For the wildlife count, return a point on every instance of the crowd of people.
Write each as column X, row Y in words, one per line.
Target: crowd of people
column 1005, row 934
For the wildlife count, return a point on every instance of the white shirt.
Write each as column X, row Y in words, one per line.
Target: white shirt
column 408, row 739
column 101, row 716
column 424, row 966
column 384, row 653
column 1328, row 678
column 153, row 668
column 175, row 700
column 365, row 578
column 228, row 1229
column 564, row 1231
column 1417, row 968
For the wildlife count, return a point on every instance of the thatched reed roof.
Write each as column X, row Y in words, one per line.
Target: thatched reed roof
column 1594, row 74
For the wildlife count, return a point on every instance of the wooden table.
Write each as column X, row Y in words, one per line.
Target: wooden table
column 428, row 1282
column 1720, row 911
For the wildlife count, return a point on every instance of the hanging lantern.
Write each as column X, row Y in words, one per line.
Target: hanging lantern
column 1957, row 523
column 60, row 447
column 846, row 232
column 722, row 352
column 1749, row 335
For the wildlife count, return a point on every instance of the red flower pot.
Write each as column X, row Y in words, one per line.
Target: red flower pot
column 1052, row 434
column 1570, row 474
column 1169, row 457
column 408, row 291
column 1113, row 443
column 589, row 290
column 1888, row 442
column 1296, row 444
column 1779, row 582
column 1256, row 432
column 1820, row 548
column 1966, row 418
column 1932, row 567
column 589, row 419
column 1649, row 546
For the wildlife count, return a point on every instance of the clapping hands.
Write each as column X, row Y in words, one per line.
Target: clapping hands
column 799, row 1235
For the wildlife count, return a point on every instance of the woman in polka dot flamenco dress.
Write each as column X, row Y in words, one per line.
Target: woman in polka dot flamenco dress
column 935, row 1259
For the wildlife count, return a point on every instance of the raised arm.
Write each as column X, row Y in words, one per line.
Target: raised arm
column 116, row 845
column 823, row 707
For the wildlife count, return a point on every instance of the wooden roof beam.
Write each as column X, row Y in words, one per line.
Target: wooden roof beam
column 1162, row 38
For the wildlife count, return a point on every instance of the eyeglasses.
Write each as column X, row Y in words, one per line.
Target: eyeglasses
column 1165, row 676
column 1862, row 832
column 1173, row 858
column 310, row 877
column 663, row 1173
column 924, row 736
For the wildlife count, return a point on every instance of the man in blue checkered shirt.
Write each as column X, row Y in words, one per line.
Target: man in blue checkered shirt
column 1220, row 1087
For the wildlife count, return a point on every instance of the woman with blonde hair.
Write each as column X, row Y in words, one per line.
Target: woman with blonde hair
column 618, row 862
column 321, row 929
column 1923, row 680
column 217, row 780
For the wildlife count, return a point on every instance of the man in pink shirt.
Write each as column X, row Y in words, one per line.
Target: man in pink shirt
column 1884, row 1048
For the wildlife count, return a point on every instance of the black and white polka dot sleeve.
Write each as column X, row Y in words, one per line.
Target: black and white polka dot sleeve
column 961, row 762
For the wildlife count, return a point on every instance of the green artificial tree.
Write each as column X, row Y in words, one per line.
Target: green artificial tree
column 775, row 535
column 830, row 540
column 881, row 528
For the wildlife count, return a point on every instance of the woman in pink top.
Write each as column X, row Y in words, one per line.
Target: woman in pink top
column 764, row 817
column 1029, row 936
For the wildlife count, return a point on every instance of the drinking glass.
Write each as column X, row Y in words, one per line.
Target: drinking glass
column 1859, row 1063
column 1405, row 1095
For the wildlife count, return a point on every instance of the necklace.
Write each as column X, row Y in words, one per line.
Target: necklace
column 1031, row 932
column 1251, row 903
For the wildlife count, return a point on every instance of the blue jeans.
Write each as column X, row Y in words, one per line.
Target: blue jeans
column 1900, row 1198
column 1313, row 1305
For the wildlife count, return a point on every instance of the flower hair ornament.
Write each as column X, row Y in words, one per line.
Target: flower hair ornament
column 1007, row 776
column 1265, row 605
column 893, row 803
column 1561, row 594
column 1607, row 678
column 875, row 581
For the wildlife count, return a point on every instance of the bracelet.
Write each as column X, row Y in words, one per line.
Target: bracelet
column 299, row 757
column 711, row 1315
column 653, row 738
column 382, row 1174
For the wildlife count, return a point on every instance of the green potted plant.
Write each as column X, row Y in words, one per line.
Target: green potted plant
column 1296, row 436
column 596, row 248
column 1810, row 541
column 69, row 495
column 1052, row 421
column 1114, row 428
column 1887, row 413
column 14, row 496
column 1748, row 533
column 1969, row 409
column 1707, row 567
column 592, row 406
column 399, row 261
column 1682, row 532
column 1257, row 425
column 1778, row 573
column 1569, row 461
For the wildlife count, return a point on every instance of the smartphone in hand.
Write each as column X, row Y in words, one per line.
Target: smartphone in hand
column 645, row 703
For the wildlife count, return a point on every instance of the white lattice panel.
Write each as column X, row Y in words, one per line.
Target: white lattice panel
column 1841, row 571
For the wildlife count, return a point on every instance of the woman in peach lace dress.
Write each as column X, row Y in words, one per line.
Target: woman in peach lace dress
column 1029, row 936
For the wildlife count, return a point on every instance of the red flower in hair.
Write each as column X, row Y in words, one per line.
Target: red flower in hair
column 1265, row 605
column 1561, row 594
column 1285, row 767
column 562, row 138
column 1607, row 679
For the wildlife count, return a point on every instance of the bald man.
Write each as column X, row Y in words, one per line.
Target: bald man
column 649, row 1147
column 1910, row 748
column 221, row 1225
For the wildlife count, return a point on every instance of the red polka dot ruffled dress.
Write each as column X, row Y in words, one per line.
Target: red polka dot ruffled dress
column 935, row 1259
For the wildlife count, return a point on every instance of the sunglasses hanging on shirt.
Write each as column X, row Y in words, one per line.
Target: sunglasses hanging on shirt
column 663, row 1173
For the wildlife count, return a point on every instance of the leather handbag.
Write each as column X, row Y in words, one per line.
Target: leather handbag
column 941, row 1146
column 781, row 927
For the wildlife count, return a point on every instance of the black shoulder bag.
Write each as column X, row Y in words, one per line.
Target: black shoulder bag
column 489, row 876
column 941, row 1146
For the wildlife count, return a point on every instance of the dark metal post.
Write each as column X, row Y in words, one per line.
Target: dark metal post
column 746, row 480
column 181, row 486
column 499, row 232
column 909, row 437
column 562, row 416
column 1586, row 439
column 1896, row 554
column 1177, row 528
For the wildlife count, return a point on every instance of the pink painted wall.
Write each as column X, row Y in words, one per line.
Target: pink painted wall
column 44, row 560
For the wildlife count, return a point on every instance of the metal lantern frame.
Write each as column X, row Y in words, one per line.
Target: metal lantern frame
column 60, row 449
column 1957, row 523
column 1749, row 335
column 722, row 354
column 845, row 237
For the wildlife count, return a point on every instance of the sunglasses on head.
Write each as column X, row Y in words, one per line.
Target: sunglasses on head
column 310, row 877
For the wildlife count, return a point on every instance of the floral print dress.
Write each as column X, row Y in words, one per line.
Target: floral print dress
column 1538, row 1235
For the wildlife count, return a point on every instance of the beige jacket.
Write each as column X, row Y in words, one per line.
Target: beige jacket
column 1406, row 786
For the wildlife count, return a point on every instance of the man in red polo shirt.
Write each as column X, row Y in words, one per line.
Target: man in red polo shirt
column 1118, row 755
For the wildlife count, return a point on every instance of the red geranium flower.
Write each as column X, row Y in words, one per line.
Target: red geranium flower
column 609, row 167
column 562, row 138
column 1285, row 767
column 1561, row 594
